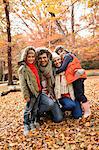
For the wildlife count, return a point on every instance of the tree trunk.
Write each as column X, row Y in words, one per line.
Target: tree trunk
column 72, row 24
column 6, row 3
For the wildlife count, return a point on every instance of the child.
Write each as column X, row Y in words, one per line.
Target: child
column 75, row 75
column 30, row 86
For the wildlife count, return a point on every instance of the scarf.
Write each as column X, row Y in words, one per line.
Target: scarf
column 35, row 72
column 46, row 73
column 61, row 86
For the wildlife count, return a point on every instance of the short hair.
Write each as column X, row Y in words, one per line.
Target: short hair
column 42, row 50
column 60, row 47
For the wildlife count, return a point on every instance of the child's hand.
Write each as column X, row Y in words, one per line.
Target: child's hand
column 79, row 72
column 26, row 100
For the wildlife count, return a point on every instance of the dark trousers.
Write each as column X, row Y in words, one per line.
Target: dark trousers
column 78, row 86
column 46, row 104
column 30, row 111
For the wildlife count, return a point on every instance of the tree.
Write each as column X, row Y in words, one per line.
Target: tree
column 7, row 8
column 72, row 23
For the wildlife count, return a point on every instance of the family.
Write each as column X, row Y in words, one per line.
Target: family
column 51, row 83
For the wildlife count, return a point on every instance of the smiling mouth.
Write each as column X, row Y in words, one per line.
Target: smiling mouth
column 43, row 62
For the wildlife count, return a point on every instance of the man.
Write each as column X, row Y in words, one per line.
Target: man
column 47, row 81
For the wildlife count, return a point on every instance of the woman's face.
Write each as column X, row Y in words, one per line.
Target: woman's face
column 30, row 57
column 57, row 62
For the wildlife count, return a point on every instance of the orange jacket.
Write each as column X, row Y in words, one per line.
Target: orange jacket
column 71, row 70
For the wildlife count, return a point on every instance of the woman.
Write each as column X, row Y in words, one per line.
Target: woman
column 64, row 92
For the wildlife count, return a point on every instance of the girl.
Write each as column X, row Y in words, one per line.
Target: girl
column 30, row 86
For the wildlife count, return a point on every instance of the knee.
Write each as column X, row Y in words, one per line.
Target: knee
column 73, row 105
column 77, row 116
column 70, row 106
column 51, row 104
column 57, row 114
column 58, row 119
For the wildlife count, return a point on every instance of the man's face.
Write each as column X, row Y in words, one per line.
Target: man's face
column 43, row 59
column 57, row 62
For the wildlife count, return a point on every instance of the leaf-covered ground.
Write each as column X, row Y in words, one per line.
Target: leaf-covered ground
column 70, row 134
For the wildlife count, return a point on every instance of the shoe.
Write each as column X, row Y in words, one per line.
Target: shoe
column 87, row 114
column 26, row 130
column 37, row 125
column 32, row 127
column 87, row 111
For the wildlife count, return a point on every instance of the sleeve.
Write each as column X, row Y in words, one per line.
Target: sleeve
column 23, row 84
column 67, row 59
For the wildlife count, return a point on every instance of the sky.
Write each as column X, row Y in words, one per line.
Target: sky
column 20, row 28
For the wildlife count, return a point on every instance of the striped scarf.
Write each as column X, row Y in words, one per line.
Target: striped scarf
column 46, row 73
column 61, row 86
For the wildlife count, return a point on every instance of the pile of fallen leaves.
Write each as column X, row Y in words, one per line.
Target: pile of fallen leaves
column 71, row 134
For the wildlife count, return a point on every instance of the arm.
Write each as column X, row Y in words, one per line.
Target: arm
column 66, row 61
column 23, row 84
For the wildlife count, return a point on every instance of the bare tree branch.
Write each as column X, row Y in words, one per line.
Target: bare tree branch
column 84, row 28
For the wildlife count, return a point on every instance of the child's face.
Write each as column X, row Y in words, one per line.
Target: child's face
column 57, row 62
column 30, row 57
column 60, row 51
column 62, row 54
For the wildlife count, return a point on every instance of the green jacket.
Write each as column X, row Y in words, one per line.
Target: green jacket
column 27, row 79
column 27, row 82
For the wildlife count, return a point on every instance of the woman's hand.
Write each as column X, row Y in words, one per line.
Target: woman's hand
column 26, row 100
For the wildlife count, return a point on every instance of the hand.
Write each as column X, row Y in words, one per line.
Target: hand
column 79, row 72
column 44, row 90
column 26, row 100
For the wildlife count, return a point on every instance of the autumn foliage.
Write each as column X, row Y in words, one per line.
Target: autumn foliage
column 71, row 134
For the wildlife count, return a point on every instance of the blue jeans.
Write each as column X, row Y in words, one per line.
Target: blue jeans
column 74, row 106
column 77, row 111
column 56, row 113
column 46, row 104
column 30, row 111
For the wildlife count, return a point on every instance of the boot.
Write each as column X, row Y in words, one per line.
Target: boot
column 26, row 129
column 37, row 125
column 87, row 111
column 32, row 126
